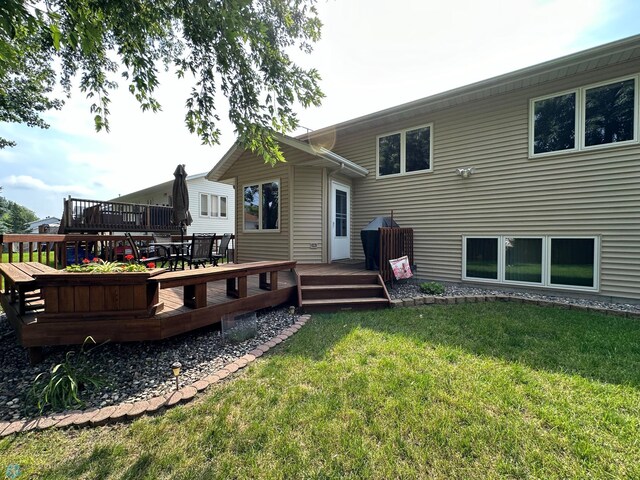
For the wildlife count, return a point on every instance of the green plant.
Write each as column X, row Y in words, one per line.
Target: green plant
column 100, row 266
column 61, row 388
column 432, row 288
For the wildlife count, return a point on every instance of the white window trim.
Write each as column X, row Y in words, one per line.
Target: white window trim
column 260, row 229
column 403, row 148
column 580, row 112
column 209, row 213
column 226, row 212
column 546, row 262
column 201, row 196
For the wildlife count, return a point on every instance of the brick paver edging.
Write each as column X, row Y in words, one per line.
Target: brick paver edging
column 419, row 301
column 127, row 411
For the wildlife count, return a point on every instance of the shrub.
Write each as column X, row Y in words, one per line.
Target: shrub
column 432, row 288
column 61, row 388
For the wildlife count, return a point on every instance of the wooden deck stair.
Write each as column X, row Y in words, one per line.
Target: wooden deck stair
column 331, row 293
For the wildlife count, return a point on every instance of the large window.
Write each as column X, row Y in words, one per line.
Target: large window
column 609, row 112
column 482, row 258
column 523, row 259
column 407, row 151
column 573, row 262
column 261, row 206
column 561, row 262
column 213, row 205
column 596, row 115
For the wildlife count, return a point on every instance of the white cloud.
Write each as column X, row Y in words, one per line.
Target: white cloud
column 27, row 182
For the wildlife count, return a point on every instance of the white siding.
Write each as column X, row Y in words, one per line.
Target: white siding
column 160, row 194
column 218, row 225
column 582, row 193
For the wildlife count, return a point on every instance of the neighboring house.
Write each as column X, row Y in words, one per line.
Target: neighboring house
column 212, row 204
column 50, row 224
column 529, row 179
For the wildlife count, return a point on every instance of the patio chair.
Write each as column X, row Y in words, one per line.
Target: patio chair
column 162, row 250
column 222, row 250
column 138, row 258
column 200, row 250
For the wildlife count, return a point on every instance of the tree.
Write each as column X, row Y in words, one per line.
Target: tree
column 15, row 219
column 239, row 48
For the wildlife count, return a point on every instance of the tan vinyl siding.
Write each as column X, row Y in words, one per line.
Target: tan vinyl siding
column 593, row 193
column 308, row 209
column 261, row 245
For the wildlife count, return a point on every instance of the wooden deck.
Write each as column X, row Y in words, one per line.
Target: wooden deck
column 335, row 268
column 177, row 316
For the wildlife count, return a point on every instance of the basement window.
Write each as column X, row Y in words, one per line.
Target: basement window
column 545, row 261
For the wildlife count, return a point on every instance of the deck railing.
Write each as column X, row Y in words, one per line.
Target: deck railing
column 394, row 243
column 58, row 251
column 89, row 216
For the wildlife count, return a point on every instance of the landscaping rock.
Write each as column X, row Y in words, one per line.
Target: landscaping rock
column 134, row 371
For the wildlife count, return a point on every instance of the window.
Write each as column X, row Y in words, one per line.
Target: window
column 523, row 259
column 223, row 207
column 597, row 115
column 204, row 205
column 407, row 151
column 609, row 113
column 554, row 124
column 341, row 213
column 573, row 262
column 561, row 262
column 482, row 258
column 261, row 206
column 213, row 205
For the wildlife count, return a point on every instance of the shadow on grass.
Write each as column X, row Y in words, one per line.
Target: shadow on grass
column 100, row 463
column 592, row 345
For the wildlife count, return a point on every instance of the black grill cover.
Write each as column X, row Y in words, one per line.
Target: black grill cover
column 371, row 240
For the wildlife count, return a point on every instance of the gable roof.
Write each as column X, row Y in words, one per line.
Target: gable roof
column 322, row 157
column 592, row 59
column 158, row 187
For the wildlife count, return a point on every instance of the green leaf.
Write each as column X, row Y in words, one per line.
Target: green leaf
column 55, row 35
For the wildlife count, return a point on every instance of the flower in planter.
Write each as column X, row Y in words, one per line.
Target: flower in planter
column 129, row 257
column 100, row 266
column 151, row 265
column 85, row 261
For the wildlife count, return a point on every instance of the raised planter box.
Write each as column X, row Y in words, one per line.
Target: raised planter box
column 70, row 295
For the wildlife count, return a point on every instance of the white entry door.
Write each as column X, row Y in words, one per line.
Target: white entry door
column 340, row 221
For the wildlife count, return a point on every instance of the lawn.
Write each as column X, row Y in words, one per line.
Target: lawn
column 446, row 391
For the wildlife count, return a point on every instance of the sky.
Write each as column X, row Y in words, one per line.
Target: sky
column 373, row 54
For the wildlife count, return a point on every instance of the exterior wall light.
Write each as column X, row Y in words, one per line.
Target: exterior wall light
column 465, row 172
column 175, row 368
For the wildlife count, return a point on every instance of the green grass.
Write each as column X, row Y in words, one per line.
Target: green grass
column 461, row 391
column 16, row 257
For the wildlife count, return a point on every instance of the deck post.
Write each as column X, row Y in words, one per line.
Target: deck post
column 272, row 284
column 195, row 296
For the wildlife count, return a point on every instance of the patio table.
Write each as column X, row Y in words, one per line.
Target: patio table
column 179, row 249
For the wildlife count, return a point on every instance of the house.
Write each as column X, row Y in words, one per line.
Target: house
column 212, row 204
column 44, row 225
column 529, row 179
